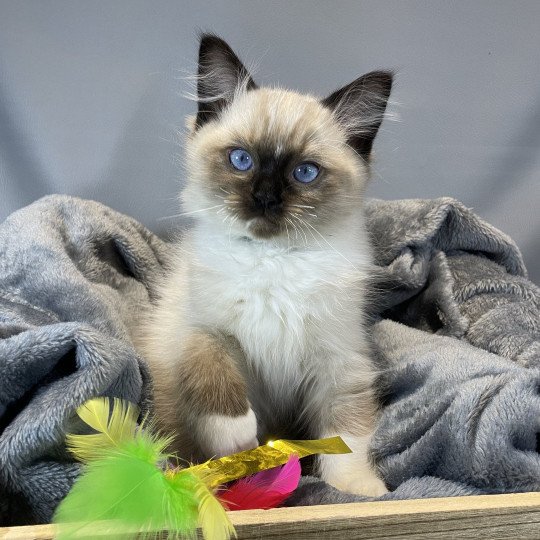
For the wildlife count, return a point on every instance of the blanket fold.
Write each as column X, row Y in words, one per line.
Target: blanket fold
column 456, row 322
column 444, row 270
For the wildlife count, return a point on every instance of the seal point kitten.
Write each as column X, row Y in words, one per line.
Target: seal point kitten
column 259, row 329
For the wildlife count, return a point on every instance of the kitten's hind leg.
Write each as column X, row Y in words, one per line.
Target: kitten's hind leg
column 211, row 398
column 353, row 473
column 352, row 413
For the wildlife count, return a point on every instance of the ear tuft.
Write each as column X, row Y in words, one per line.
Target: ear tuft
column 221, row 74
column 359, row 107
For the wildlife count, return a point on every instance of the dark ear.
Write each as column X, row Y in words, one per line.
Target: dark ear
column 360, row 107
column 220, row 74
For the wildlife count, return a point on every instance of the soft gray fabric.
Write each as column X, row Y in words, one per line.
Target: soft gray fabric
column 444, row 270
column 458, row 420
column 72, row 272
column 456, row 412
column 314, row 491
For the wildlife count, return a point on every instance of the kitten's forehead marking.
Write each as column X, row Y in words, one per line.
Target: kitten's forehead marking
column 282, row 118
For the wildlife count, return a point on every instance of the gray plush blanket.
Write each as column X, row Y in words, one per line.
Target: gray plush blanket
column 454, row 319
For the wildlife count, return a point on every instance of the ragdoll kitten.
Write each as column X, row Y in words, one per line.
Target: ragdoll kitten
column 259, row 328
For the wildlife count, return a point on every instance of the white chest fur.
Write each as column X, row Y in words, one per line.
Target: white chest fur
column 287, row 307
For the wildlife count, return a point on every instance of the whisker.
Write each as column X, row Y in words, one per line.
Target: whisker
column 293, row 226
column 288, row 238
column 233, row 220
column 299, row 228
column 302, row 230
column 162, row 218
column 193, row 212
column 226, row 200
column 310, row 232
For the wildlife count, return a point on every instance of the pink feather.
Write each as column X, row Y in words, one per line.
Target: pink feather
column 263, row 490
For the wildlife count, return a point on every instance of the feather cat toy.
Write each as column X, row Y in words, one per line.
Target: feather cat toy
column 129, row 487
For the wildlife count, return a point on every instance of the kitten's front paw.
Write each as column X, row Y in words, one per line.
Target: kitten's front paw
column 220, row 435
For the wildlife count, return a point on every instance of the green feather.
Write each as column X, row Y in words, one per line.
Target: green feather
column 113, row 426
column 124, row 494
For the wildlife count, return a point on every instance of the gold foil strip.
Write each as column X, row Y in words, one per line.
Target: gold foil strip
column 274, row 453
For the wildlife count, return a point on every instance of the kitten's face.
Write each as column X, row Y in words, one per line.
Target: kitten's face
column 300, row 170
column 271, row 163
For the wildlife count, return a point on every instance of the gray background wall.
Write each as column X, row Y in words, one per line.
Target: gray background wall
column 90, row 95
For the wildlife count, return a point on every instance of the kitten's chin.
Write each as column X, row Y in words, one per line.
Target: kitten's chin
column 262, row 228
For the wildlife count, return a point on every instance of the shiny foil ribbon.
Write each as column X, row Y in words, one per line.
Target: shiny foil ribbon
column 270, row 455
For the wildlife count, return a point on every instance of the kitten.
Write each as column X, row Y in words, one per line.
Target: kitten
column 259, row 328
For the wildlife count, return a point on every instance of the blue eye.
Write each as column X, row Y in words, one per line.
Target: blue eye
column 306, row 172
column 240, row 159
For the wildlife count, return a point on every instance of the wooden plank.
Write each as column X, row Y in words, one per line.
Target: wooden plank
column 480, row 517
column 493, row 516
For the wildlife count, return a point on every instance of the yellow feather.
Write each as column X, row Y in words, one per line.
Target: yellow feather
column 213, row 518
column 113, row 427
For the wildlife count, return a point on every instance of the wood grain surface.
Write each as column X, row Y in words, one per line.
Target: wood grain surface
column 515, row 516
